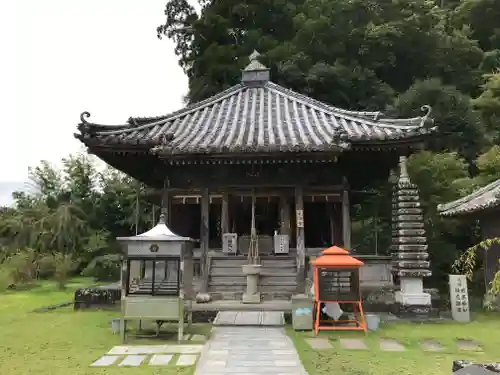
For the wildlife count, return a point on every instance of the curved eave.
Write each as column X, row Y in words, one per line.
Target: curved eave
column 484, row 199
column 264, row 118
column 466, row 211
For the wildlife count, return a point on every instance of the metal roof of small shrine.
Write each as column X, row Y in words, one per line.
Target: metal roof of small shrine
column 160, row 232
column 255, row 115
column 483, row 198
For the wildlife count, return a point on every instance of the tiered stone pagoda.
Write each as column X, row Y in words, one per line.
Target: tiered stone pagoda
column 409, row 244
column 263, row 154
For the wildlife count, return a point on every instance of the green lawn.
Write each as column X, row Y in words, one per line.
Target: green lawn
column 414, row 361
column 62, row 341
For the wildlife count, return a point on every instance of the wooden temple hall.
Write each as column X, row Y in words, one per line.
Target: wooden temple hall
column 257, row 173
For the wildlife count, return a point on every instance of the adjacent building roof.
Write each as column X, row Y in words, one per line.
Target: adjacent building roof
column 255, row 115
column 484, row 198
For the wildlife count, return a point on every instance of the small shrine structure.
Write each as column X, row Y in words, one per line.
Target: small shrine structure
column 260, row 174
column 158, row 292
column 336, row 280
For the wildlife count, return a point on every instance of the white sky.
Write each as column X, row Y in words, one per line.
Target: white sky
column 62, row 57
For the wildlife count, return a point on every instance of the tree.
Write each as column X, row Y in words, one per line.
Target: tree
column 72, row 217
column 488, row 103
column 365, row 50
column 482, row 16
column 452, row 113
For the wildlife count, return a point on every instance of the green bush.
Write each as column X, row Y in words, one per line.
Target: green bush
column 104, row 268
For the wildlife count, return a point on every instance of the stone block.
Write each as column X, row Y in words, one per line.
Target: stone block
column 186, row 360
column 319, row 343
column 353, row 344
column 132, row 360
column 105, row 361
column 160, row 359
column 469, row 345
column 431, row 346
column 199, row 338
column 390, row 345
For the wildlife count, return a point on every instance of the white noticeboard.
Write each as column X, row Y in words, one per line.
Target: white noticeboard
column 459, row 298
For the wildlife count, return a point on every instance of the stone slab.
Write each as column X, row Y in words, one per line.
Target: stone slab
column 186, row 337
column 199, row 338
column 353, row 344
column 319, row 343
column 391, row 345
column 431, row 346
column 155, row 349
column 211, row 363
column 104, row 361
column 132, row 360
column 249, row 318
column 469, row 345
column 160, row 359
column 186, row 360
column 287, row 363
column 272, row 318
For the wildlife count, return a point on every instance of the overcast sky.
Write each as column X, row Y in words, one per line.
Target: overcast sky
column 63, row 57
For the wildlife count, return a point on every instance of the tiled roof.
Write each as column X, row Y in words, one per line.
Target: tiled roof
column 261, row 118
column 486, row 197
column 254, row 116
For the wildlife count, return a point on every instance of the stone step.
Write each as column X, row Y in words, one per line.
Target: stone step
column 266, row 272
column 272, row 282
column 237, row 296
column 276, row 280
column 276, row 264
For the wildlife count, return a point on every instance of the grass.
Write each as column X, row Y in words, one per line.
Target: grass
column 63, row 341
column 484, row 329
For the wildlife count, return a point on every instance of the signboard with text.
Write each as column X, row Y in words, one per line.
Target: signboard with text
column 459, row 298
column 337, row 285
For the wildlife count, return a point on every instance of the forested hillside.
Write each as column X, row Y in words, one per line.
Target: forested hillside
column 390, row 55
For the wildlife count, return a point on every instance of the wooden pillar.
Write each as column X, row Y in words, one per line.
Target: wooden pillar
column 165, row 206
column 224, row 221
column 204, row 237
column 284, row 215
column 301, row 251
column 330, row 211
column 346, row 217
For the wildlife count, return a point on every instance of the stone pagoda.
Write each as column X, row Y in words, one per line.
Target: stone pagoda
column 409, row 247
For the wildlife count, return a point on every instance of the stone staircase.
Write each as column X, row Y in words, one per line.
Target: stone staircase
column 276, row 282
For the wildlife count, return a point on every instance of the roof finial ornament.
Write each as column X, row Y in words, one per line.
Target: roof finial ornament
column 162, row 219
column 83, row 116
column 255, row 71
column 254, row 55
column 428, row 110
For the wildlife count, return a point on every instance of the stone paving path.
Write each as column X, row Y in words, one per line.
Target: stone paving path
column 249, row 318
column 152, row 355
column 249, row 351
column 389, row 345
column 135, row 360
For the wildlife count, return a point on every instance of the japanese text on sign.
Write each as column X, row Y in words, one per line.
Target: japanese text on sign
column 459, row 298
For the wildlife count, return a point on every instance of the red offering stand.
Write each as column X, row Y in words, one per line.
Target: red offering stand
column 336, row 279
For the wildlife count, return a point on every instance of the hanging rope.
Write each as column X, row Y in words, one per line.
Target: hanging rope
column 137, row 209
column 253, row 251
